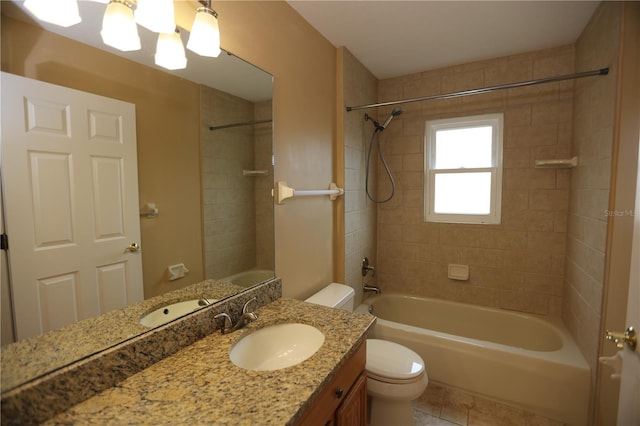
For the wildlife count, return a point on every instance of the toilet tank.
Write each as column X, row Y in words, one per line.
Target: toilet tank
column 335, row 296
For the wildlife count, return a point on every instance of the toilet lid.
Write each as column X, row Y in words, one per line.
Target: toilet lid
column 393, row 361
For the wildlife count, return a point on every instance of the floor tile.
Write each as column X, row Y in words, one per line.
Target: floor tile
column 440, row 405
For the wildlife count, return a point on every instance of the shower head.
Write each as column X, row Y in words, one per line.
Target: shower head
column 396, row 112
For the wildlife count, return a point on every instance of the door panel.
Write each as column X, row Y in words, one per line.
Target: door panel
column 47, row 117
column 108, row 198
column 51, row 192
column 629, row 400
column 57, row 301
column 112, row 285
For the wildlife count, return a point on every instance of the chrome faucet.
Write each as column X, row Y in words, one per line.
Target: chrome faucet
column 246, row 317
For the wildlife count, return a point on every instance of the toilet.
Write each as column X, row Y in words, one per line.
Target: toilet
column 395, row 374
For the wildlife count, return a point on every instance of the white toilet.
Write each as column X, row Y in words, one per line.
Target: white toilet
column 395, row 374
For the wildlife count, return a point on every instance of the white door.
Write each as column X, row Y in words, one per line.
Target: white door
column 629, row 402
column 69, row 170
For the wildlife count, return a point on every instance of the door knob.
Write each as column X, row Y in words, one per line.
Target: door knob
column 133, row 247
column 629, row 336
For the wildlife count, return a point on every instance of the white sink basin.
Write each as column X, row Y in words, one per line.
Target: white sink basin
column 170, row 312
column 276, row 346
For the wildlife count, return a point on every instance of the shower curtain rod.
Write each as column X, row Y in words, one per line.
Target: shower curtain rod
column 246, row 123
column 602, row 71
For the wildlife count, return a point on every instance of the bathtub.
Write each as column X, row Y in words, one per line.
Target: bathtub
column 250, row 277
column 520, row 359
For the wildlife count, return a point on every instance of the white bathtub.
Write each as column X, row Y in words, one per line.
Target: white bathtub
column 522, row 359
column 250, row 277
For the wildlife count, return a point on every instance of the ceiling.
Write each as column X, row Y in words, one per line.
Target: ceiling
column 390, row 37
column 394, row 38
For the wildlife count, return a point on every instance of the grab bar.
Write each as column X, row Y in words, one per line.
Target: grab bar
column 282, row 191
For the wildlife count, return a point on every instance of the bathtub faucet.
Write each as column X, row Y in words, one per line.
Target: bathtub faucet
column 372, row 288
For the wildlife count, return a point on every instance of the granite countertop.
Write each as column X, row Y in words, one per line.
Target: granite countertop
column 33, row 357
column 200, row 385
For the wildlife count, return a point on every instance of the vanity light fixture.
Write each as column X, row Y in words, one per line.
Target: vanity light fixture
column 170, row 51
column 119, row 28
column 156, row 15
column 120, row 31
column 205, row 33
column 62, row 12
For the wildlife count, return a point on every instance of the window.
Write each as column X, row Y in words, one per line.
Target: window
column 463, row 169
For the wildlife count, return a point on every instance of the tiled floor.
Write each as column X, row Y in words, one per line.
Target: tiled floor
column 443, row 406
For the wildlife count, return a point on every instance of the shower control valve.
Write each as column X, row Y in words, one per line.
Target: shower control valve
column 366, row 267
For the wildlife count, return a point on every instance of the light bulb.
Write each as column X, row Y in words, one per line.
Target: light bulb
column 61, row 12
column 170, row 51
column 118, row 27
column 205, row 34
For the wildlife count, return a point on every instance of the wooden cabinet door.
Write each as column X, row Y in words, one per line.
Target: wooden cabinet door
column 339, row 389
column 353, row 410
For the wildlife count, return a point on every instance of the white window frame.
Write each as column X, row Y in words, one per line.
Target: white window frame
column 496, row 121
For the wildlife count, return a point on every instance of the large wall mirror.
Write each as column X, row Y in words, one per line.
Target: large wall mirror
column 204, row 155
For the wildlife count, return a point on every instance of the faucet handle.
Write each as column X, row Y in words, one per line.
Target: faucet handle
column 245, row 307
column 226, row 324
column 366, row 267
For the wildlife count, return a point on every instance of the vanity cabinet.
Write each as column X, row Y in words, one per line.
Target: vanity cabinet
column 343, row 401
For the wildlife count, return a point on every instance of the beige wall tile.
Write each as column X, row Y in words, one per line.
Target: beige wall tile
column 231, row 241
column 594, row 103
column 518, row 264
column 360, row 213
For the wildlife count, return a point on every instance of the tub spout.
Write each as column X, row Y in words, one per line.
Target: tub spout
column 372, row 288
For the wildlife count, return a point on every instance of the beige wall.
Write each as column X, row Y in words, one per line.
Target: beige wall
column 518, row 264
column 167, row 119
column 360, row 87
column 272, row 36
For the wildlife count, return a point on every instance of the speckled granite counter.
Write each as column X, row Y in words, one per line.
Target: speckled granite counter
column 31, row 358
column 46, row 396
column 200, row 385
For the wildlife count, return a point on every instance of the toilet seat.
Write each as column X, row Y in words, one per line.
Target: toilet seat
column 392, row 381
column 406, row 391
column 393, row 363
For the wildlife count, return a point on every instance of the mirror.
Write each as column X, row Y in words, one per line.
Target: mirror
column 215, row 211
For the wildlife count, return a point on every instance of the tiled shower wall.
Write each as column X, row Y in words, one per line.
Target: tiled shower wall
column 593, row 123
column 228, row 196
column 518, row 264
column 361, row 87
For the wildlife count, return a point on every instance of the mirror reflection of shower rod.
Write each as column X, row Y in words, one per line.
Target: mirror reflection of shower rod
column 246, row 123
column 602, row 71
